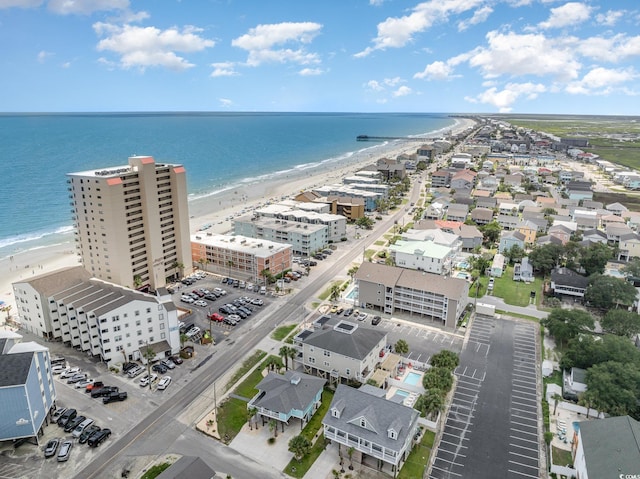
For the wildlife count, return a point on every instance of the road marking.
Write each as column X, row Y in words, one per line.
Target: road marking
column 536, row 450
column 522, row 439
column 524, row 432
column 525, row 425
column 453, row 444
column 446, row 471
column 523, row 474
column 524, row 465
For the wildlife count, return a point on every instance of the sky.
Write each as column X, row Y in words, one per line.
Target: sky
column 452, row 56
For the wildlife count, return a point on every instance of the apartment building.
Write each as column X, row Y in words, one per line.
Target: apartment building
column 132, row 222
column 336, row 224
column 102, row 319
column 240, row 255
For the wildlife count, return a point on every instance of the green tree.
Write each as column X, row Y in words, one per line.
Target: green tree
column 480, row 262
column 364, row 222
column 515, row 254
column 273, row 427
column 614, row 387
column 334, row 292
column 401, row 347
column 566, row 324
column 632, row 268
column 251, row 412
column 299, row 446
column 595, row 257
column 285, row 353
column 621, row 322
column 137, row 280
column 438, row 378
column 431, row 402
column 491, row 232
column 606, row 292
column 352, row 272
column 545, row 258
column 445, row 359
column 587, row 351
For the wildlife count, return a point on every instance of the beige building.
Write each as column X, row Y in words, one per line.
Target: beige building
column 132, row 222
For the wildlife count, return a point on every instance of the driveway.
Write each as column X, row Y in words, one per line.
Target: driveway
column 499, row 303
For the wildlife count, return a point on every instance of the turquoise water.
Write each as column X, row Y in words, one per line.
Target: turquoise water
column 576, row 426
column 353, row 294
column 402, row 393
column 219, row 150
column 412, row 379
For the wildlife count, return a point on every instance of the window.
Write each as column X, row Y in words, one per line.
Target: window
column 363, row 422
column 392, row 434
column 151, row 329
column 161, row 325
column 348, row 371
column 326, row 363
column 312, row 360
column 138, row 322
column 327, row 353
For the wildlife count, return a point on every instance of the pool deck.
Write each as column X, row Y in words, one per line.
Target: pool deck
column 412, row 397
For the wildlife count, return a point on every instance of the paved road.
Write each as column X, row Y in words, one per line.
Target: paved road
column 499, row 303
column 152, row 436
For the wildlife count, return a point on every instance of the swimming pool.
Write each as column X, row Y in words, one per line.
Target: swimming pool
column 412, row 379
column 353, row 294
column 402, row 393
column 463, row 265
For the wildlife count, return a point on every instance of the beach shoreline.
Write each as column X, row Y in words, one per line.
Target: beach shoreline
column 215, row 209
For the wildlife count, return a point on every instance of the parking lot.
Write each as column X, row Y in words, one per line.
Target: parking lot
column 492, row 428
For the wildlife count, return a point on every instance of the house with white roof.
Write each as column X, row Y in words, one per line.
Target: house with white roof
column 423, row 256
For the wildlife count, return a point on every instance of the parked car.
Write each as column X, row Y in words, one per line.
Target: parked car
column 104, row 391
column 94, row 385
column 362, row 316
column 187, row 299
column 263, row 290
column 114, row 397
column 87, row 432
column 376, row 320
column 168, row 363
column 177, row 359
column 257, row 302
column 71, row 425
column 216, row 317
column 65, row 451
column 201, row 303
column 59, row 369
column 126, row 367
column 98, row 437
column 164, row 382
column 51, row 448
column 57, row 413
column 146, row 379
column 81, row 427
column 230, row 321
column 77, row 378
column 348, row 312
column 135, row 371
column 84, row 384
column 210, row 297
column 159, row 368
column 65, row 417
column 69, row 372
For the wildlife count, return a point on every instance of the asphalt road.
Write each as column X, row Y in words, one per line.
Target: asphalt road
column 152, row 428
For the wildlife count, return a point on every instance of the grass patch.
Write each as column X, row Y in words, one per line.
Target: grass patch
column 282, row 332
column 517, row 315
column 155, row 471
column 299, row 469
column 561, row 457
column 327, row 292
column 232, row 414
column 250, row 362
column 515, row 293
column 476, row 291
column 631, row 202
column 418, row 457
column 368, row 254
column 380, row 243
column 315, row 305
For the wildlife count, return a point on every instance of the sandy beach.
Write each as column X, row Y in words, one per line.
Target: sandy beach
column 211, row 210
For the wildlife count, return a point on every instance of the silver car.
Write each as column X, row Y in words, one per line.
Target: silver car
column 65, row 451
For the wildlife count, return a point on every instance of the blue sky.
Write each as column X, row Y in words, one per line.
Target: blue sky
column 518, row 56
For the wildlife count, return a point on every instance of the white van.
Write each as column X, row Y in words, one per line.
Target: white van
column 81, row 427
column 263, row 290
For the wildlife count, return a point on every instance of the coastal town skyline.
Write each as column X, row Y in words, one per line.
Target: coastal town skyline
column 511, row 56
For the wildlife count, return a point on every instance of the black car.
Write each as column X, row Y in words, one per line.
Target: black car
column 224, row 280
column 376, row 320
column 98, row 437
column 68, row 415
column 245, row 310
column 159, row 368
column 114, row 397
column 51, row 448
column 104, row 391
column 224, row 309
column 210, row 297
column 127, row 366
column 348, row 312
column 241, row 313
column 313, row 263
column 71, row 424
column 88, row 432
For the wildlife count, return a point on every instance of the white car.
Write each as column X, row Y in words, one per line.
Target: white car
column 220, row 290
column 58, row 369
column 201, row 303
column 146, row 379
column 70, row 372
column 164, row 382
column 84, row 384
column 187, row 299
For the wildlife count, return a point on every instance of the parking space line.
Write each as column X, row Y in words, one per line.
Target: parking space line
column 524, row 432
column 454, row 444
column 523, row 455
column 524, row 465
column 453, row 453
column 522, row 380
column 522, row 439
column 454, row 436
column 525, row 411
column 535, row 426
column 448, row 472
column 521, row 403
column 523, row 474
column 534, row 449
column 453, row 463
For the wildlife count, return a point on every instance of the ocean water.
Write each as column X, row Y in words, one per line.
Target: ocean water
column 219, row 151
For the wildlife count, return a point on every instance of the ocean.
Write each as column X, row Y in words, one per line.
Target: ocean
column 219, row 151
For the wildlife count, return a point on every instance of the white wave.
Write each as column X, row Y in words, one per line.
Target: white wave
column 28, row 237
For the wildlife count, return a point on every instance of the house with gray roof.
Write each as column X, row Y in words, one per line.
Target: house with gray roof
column 286, row 396
column 191, row 467
column 421, row 295
column 457, row 212
column 344, row 352
column 565, row 281
column 607, row 447
column 380, row 431
column 27, row 389
column 482, row 216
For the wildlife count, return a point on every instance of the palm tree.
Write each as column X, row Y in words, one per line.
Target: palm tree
column 350, row 452
column 432, row 402
column 299, row 446
column 230, row 264
column 556, row 397
column 137, row 280
column 334, row 292
column 273, row 427
column 285, row 354
column 251, row 412
column 179, row 266
column 352, row 272
column 266, row 275
column 292, row 355
column 401, row 347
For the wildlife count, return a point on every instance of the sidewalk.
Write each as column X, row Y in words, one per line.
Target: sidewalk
column 499, row 303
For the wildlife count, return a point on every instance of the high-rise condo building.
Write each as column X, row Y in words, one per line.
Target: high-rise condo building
column 132, row 222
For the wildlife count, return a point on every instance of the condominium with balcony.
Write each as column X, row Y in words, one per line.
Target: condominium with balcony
column 132, row 222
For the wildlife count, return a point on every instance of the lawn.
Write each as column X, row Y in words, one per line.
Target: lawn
column 380, row 243
column 327, row 292
column 561, row 457
column 282, row 332
column 155, row 471
column 480, row 290
column 299, row 469
column 250, row 362
column 513, row 292
column 368, row 254
column 418, row 458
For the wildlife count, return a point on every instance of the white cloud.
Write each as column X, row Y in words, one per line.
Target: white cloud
column 504, row 99
column 402, row 91
column 149, row 46
column 225, row 102
column 43, row 55
column 392, row 82
column 528, row 54
column 571, row 13
column 610, row 18
column 376, row 3
column 436, row 71
column 261, row 40
column 396, row 32
column 374, row 85
column 601, row 80
column 223, row 69
column 66, row 65
column 611, row 49
column 20, row 3
column 86, row 7
column 307, row 72
column 479, row 16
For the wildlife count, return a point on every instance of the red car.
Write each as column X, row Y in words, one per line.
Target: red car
column 216, row 317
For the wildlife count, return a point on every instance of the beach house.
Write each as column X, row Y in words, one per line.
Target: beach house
column 423, row 256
